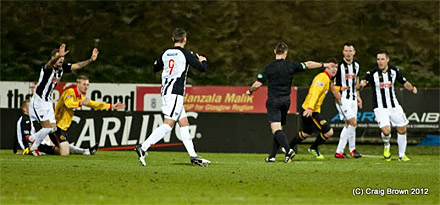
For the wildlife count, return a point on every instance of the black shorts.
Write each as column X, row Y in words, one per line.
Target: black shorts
column 313, row 122
column 58, row 137
column 277, row 109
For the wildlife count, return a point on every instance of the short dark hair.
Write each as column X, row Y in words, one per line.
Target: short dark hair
column 382, row 51
column 349, row 44
column 332, row 60
column 81, row 77
column 280, row 48
column 23, row 103
column 178, row 35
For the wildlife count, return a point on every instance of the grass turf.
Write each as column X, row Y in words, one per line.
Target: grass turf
column 117, row 177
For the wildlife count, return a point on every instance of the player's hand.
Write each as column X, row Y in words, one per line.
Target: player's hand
column 201, row 58
column 414, row 90
column 85, row 101
column 363, row 83
column 95, row 53
column 248, row 92
column 345, row 88
column 62, row 51
column 118, row 105
column 307, row 113
column 338, row 96
column 359, row 102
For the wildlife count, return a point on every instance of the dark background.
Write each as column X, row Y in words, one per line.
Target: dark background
column 237, row 37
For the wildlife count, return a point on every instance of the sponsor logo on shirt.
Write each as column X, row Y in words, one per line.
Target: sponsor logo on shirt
column 319, row 83
column 171, row 54
column 385, row 85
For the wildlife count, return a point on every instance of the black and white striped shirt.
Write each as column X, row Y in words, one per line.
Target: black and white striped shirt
column 383, row 86
column 175, row 63
column 346, row 76
column 49, row 78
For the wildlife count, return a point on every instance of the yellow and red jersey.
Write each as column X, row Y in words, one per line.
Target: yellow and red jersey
column 317, row 92
column 69, row 101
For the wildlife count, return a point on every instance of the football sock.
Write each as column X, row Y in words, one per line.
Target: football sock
column 280, row 137
column 318, row 141
column 401, row 142
column 297, row 139
column 342, row 140
column 351, row 137
column 187, row 141
column 46, row 149
column 155, row 136
column 77, row 150
column 386, row 140
column 275, row 147
column 39, row 137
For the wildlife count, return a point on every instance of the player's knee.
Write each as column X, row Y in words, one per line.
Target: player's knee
column 401, row 130
column 329, row 133
column 304, row 135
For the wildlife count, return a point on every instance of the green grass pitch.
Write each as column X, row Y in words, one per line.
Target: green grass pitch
column 114, row 177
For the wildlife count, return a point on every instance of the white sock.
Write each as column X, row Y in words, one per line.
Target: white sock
column 77, row 150
column 386, row 140
column 156, row 135
column 187, row 141
column 342, row 141
column 39, row 137
column 351, row 137
column 401, row 142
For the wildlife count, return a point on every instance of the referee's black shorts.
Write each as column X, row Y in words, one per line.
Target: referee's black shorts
column 277, row 109
column 314, row 122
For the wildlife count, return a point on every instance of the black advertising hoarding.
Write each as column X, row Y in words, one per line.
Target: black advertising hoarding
column 114, row 130
column 230, row 132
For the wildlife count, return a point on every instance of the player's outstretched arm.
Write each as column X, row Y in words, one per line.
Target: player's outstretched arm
column 410, row 87
column 61, row 53
column 313, row 64
column 83, row 64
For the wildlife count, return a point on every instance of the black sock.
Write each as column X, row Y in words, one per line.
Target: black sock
column 319, row 140
column 46, row 149
column 275, row 148
column 280, row 137
column 296, row 140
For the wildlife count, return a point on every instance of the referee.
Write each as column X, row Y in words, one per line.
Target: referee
column 279, row 75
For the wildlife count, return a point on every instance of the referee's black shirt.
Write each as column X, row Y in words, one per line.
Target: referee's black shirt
column 279, row 74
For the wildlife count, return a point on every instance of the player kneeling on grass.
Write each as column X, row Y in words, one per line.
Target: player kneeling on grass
column 311, row 108
column 70, row 100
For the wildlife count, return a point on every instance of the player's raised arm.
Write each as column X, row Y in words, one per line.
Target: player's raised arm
column 61, row 52
column 197, row 61
column 83, row 64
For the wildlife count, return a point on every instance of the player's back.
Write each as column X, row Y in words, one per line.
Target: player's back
column 174, row 63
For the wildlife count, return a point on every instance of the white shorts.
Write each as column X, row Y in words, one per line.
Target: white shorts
column 172, row 107
column 394, row 115
column 41, row 110
column 348, row 109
